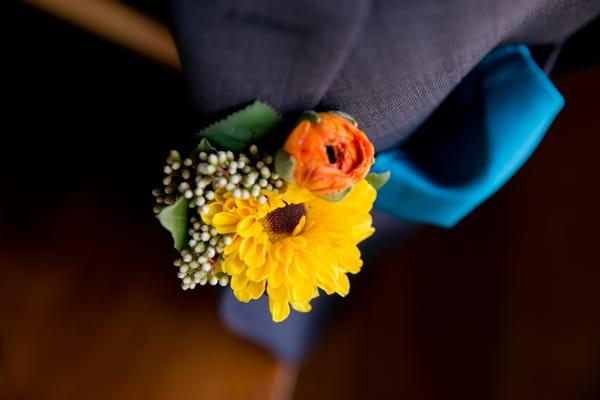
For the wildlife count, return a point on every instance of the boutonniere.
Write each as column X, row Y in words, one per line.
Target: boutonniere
column 285, row 223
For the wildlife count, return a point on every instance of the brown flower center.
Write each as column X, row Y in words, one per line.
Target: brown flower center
column 283, row 220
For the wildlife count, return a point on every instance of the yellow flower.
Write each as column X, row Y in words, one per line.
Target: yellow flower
column 292, row 245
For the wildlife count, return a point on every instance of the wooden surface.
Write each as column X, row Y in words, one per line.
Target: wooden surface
column 119, row 23
column 96, row 313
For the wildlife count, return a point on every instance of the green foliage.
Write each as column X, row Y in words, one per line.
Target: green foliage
column 336, row 196
column 205, row 145
column 378, row 180
column 174, row 219
column 311, row 116
column 242, row 128
column 285, row 165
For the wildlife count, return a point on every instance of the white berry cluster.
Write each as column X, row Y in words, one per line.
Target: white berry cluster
column 198, row 179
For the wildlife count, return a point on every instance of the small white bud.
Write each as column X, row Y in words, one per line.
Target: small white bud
column 253, row 149
column 224, row 280
column 265, row 172
column 262, row 200
column 213, row 280
column 213, row 159
column 206, row 267
column 205, row 236
column 227, row 240
column 204, row 209
column 235, row 179
column 203, row 156
column 237, row 193
column 221, row 182
column 210, row 252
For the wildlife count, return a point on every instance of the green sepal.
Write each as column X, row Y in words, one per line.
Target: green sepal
column 336, row 196
column 378, row 180
column 285, row 165
column 311, row 116
column 174, row 218
column 205, row 146
column 242, row 128
column 345, row 116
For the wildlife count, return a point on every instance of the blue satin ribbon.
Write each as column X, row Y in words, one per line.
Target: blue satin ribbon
column 508, row 103
column 500, row 112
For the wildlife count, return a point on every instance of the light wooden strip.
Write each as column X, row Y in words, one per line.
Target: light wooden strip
column 118, row 23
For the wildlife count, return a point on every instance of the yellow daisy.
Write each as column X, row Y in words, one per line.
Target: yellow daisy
column 293, row 244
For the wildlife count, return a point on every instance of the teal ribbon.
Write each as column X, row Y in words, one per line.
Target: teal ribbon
column 508, row 103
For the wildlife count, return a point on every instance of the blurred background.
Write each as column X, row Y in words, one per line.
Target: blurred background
column 504, row 306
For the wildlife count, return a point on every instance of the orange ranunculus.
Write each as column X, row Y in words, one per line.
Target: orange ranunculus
column 330, row 155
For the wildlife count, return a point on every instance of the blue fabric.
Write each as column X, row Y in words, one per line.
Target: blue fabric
column 512, row 103
column 502, row 110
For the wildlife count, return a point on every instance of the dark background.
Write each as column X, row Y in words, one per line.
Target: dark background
column 505, row 306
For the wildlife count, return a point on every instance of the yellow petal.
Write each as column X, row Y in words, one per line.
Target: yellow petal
column 342, row 285
column 246, row 247
column 278, row 302
column 213, row 208
column 225, row 222
column 284, row 251
column 257, row 258
column 293, row 275
column 255, row 289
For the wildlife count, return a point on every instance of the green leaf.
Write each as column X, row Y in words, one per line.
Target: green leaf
column 205, row 146
column 378, row 180
column 336, row 196
column 242, row 128
column 311, row 116
column 285, row 165
column 174, row 219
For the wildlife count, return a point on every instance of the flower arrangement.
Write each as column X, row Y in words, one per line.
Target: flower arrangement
column 285, row 223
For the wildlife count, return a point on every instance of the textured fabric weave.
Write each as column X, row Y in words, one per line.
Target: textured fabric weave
column 389, row 63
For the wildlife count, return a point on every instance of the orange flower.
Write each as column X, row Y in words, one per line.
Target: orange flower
column 331, row 154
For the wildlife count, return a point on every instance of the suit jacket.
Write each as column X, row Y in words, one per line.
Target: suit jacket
column 389, row 63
